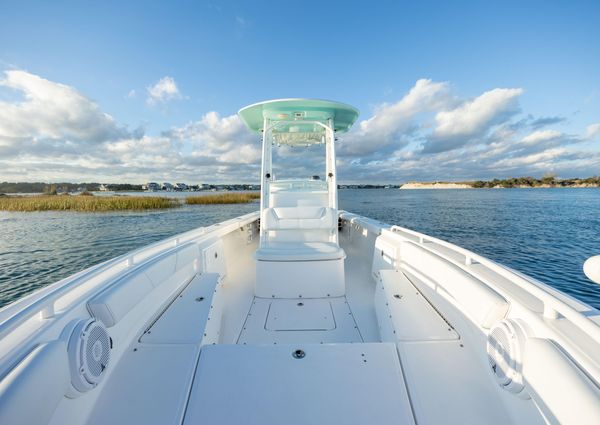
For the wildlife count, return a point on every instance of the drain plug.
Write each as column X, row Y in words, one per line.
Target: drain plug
column 298, row 354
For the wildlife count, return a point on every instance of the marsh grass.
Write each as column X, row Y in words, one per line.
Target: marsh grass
column 223, row 198
column 84, row 203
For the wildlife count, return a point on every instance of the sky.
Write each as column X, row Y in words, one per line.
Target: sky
column 117, row 91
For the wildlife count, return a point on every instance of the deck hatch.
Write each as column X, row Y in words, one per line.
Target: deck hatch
column 307, row 315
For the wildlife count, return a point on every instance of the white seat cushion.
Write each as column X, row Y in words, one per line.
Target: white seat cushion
column 296, row 218
column 483, row 305
column 558, row 386
column 30, row 393
column 112, row 304
column 300, row 251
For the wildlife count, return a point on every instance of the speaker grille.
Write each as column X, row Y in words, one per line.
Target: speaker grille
column 89, row 354
column 97, row 350
column 505, row 346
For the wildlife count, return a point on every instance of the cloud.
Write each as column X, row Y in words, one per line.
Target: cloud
column 592, row 131
column 539, row 141
column 541, row 136
column 52, row 132
column 51, row 113
column 545, row 121
column 392, row 125
column 472, row 119
column 454, row 139
column 163, row 91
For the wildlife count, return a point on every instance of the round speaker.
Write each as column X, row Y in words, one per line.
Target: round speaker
column 89, row 354
column 505, row 345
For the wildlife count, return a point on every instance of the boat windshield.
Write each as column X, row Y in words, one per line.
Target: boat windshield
column 299, row 162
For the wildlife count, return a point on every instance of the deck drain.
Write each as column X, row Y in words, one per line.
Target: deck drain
column 398, row 296
column 300, row 304
column 200, row 299
column 298, row 354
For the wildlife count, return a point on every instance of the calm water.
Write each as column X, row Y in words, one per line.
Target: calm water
column 545, row 233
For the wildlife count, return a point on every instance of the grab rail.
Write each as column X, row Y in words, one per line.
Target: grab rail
column 552, row 306
column 44, row 305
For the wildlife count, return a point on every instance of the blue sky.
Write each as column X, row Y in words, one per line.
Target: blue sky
column 140, row 91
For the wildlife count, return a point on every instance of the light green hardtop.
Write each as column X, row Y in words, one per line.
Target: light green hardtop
column 298, row 110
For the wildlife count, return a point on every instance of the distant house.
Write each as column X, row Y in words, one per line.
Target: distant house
column 152, row 186
column 181, row 186
column 167, row 186
column 104, row 188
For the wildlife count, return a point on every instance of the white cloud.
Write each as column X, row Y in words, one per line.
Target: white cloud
column 541, row 136
column 472, row 119
column 392, row 124
column 476, row 115
column 424, row 96
column 592, row 131
column 539, row 159
column 162, row 91
column 54, row 133
column 224, row 139
column 52, row 111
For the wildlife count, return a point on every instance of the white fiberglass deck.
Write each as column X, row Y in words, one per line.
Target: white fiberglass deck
column 346, row 375
column 329, row 384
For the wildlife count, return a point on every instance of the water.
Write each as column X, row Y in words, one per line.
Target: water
column 544, row 233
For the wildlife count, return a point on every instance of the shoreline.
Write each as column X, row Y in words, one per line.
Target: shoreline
column 450, row 186
column 519, row 183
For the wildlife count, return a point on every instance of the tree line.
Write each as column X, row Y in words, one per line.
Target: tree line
column 548, row 180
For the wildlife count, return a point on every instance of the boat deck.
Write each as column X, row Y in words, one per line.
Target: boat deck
column 298, row 361
column 332, row 383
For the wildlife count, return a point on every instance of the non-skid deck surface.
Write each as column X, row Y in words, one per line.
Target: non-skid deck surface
column 289, row 321
column 331, row 384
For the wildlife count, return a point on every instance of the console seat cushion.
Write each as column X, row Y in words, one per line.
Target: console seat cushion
column 300, row 251
column 299, row 218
